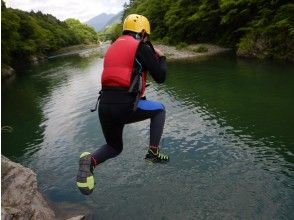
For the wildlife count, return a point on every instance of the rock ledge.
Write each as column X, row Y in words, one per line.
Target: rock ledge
column 20, row 196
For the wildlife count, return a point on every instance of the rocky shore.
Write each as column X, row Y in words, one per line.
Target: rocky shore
column 20, row 198
column 187, row 52
column 190, row 51
column 171, row 52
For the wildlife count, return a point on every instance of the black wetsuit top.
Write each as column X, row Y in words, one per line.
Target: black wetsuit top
column 156, row 67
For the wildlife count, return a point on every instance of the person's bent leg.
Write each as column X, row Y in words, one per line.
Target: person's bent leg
column 114, row 146
column 113, row 135
column 156, row 127
column 112, row 131
column 156, row 112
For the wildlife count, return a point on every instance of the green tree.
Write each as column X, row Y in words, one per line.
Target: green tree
column 259, row 28
column 33, row 33
column 84, row 33
column 9, row 35
column 113, row 32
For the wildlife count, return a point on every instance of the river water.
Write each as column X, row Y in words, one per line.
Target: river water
column 229, row 133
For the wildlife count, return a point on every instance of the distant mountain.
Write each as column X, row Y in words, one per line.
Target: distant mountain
column 115, row 19
column 101, row 21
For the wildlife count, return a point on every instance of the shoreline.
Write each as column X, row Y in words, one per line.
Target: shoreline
column 171, row 52
column 81, row 50
column 191, row 51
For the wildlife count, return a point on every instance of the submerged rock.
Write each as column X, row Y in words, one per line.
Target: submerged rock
column 20, row 196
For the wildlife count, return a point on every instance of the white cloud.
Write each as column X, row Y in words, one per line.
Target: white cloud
column 63, row 9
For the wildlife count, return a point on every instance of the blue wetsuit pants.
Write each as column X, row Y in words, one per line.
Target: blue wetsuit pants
column 113, row 118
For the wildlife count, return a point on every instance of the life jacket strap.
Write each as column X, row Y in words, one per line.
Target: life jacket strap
column 98, row 98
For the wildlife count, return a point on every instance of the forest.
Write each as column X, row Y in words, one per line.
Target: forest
column 25, row 34
column 254, row 28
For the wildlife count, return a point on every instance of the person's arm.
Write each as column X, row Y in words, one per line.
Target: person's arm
column 156, row 66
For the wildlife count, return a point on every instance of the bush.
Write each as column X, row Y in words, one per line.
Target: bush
column 200, row 49
column 181, row 46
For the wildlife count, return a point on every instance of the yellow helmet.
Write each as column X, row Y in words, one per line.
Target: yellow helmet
column 136, row 23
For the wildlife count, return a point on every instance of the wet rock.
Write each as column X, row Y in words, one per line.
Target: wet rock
column 20, row 196
column 7, row 71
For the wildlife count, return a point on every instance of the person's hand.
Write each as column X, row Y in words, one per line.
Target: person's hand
column 158, row 52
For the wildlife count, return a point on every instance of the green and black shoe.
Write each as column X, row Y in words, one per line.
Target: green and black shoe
column 156, row 157
column 85, row 177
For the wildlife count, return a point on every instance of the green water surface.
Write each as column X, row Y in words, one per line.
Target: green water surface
column 229, row 132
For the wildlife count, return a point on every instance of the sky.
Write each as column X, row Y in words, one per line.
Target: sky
column 63, row 9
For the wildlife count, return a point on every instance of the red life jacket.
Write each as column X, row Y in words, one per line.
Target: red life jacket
column 119, row 62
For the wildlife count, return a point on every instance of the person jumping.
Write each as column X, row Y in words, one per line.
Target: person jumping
column 122, row 99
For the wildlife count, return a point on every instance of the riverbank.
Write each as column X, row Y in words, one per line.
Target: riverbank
column 78, row 50
column 186, row 52
column 84, row 51
column 191, row 51
column 81, row 50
